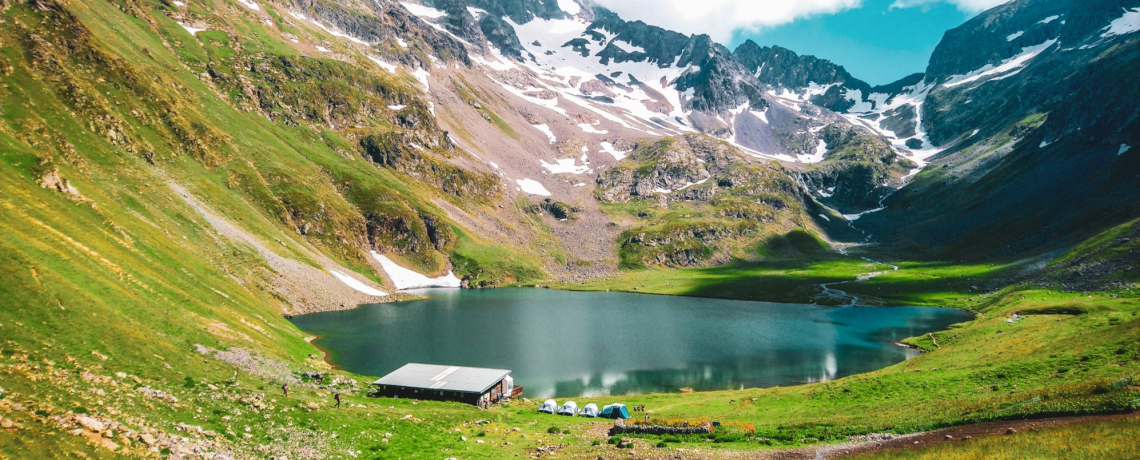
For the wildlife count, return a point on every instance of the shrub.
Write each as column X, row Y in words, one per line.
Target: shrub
column 553, row 430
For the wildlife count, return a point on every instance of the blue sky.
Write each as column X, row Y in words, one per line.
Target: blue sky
column 875, row 42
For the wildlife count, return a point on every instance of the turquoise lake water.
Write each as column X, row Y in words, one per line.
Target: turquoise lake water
column 562, row 343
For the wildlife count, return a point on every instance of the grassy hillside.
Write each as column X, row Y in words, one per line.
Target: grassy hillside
column 133, row 327
column 115, row 100
column 1071, row 353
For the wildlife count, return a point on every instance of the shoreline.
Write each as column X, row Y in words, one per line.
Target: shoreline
column 326, row 356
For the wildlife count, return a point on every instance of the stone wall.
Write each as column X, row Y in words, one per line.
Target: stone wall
column 657, row 430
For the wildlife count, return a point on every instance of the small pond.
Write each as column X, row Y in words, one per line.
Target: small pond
column 562, row 343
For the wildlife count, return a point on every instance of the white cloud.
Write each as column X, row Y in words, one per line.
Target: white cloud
column 719, row 18
column 970, row 6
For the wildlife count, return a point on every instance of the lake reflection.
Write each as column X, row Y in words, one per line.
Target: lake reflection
column 560, row 343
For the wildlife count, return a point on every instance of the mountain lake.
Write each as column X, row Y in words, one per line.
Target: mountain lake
column 564, row 343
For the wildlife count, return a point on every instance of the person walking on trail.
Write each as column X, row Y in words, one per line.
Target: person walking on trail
column 337, row 397
column 285, row 388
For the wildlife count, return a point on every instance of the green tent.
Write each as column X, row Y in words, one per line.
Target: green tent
column 615, row 411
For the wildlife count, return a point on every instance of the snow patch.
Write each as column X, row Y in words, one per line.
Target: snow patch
column 761, row 114
column 477, row 13
column 192, row 30
column 405, row 279
column 555, row 71
column 397, row 107
column 328, row 30
column 1013, row 36
column 532, row 187
column 609, row 148
column 1126, row 24
column 422, row 75
column 1123, row 148
column 820, row 152
column 423, row 11
column 590, row 129
column 860, row 105
column 384, row 65
column 357, row 285
column 690, row 184
column 322, row 49
column 546, row 130
column 1048, row 20
column 569, row 6
column 250, row 4
column 565, row 166
column 627, row 46
column 499, row 62
column 854, row 217
column 1013, row 64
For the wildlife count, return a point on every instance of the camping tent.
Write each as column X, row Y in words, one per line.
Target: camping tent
column 549, row 407
column 591, row 410
column 615, row 411
column 570, row 408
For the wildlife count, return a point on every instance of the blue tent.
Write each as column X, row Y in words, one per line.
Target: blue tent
column 615, row 411
column 570, row 408
column 549, row 407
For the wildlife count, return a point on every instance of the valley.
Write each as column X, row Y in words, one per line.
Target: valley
column 183, row 184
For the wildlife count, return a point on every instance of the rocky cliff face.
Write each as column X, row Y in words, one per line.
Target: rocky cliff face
column 781, row 68
column 859, row 171
column 386, row 25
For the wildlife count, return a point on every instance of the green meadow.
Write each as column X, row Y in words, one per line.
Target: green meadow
column 131, row 328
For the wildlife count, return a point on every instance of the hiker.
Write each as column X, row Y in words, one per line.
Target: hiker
column 646, row 418
column 285, row 388
column 337, row 397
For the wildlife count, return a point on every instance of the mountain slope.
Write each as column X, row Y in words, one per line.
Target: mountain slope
column 1037, row 137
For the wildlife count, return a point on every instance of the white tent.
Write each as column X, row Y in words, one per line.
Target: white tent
column 549, row 406
column 570, row 408
column 591, row 410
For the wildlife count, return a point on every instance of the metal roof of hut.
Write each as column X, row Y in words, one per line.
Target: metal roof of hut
column 448, row 378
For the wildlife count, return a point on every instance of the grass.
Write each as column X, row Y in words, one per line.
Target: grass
column 107, row 296
column 797, row 280
column 1097, row 440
